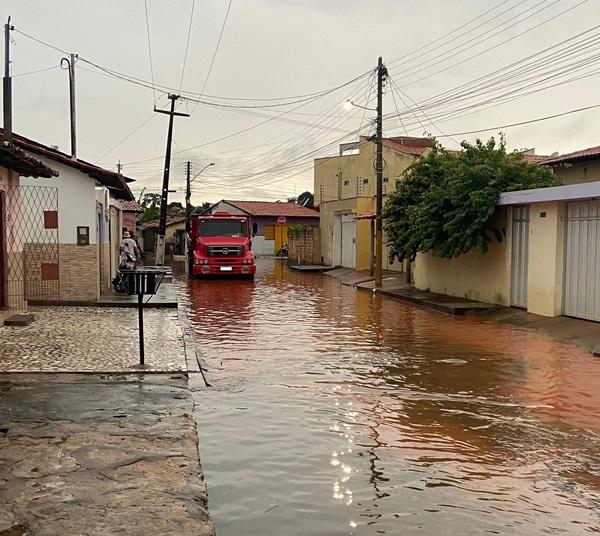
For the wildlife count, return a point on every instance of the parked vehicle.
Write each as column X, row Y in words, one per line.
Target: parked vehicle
column 221, row 244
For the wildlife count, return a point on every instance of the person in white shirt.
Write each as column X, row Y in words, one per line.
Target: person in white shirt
column 130, row 252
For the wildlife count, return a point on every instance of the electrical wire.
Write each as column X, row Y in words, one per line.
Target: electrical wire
column 212, row 61
column 187, row 44
column 150, row 50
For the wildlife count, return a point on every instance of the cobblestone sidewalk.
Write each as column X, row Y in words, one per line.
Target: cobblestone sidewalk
column 92, row 339
column 99, row 455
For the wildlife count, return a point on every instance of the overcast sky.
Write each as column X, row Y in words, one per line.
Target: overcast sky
column 281, row 48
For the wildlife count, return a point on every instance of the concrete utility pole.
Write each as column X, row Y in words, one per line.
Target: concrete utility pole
column 188, row 211
column 71, row 67
column 7, row 84
column 162, row 224
column 381, row 75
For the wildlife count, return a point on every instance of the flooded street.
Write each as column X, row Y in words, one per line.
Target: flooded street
column 334, row 411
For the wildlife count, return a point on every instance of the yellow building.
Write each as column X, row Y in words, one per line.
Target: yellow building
column 345, row 188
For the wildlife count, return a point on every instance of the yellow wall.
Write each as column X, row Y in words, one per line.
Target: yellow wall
column 357, row 197
column 578, row 172
column 482, row 277
column 546, row 259
column 326, row 225
column 332, row 173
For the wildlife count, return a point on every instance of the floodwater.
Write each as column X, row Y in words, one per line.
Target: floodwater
column 334, row 411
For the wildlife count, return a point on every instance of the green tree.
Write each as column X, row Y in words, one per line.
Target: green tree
column 446, row 201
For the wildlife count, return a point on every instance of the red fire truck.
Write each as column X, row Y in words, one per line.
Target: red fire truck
column 220, row 244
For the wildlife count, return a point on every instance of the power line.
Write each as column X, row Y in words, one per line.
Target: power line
column 150, row 50
column 212, row 61
column 187, row 44
column 520, row 123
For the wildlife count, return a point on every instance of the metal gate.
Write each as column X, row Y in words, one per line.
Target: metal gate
column 582, row 266
column 30, row 218
column 519, row 256
column 348, row 241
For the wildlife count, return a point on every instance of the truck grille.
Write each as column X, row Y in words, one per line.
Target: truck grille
column 224, row 251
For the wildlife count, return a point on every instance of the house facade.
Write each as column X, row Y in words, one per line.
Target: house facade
column 267, row 234
column 88, row 223
column 549, row 260
column 15, row 234
column 345, row 188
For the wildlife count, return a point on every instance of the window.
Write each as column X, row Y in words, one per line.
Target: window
column 385, row 179
column 365, row 181
column 222, row 228
column 346, row 183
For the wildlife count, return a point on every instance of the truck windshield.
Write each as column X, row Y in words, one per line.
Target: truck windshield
column 222, row 228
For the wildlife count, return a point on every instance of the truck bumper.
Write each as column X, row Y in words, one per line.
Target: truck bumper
column 206, row 270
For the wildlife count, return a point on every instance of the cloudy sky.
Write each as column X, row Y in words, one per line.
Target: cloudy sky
column 456, row 66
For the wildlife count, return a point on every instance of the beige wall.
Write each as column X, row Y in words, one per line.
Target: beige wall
column 342, row 177
column 546, row 259
column 78, row 272
column 578, row 172
column 339, row 186
column 482, row 277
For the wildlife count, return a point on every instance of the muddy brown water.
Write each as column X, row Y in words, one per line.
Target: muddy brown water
column 334, row 411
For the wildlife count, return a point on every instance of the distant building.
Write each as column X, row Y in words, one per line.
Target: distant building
column 345, row 188
column 267, row 234
column 131, row 211
column 174, row 237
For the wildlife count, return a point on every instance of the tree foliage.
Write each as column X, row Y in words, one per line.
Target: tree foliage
column 306, row 199
column 446, row 202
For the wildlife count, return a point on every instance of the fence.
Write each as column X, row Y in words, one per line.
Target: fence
column 29, row 227
column 305, row 247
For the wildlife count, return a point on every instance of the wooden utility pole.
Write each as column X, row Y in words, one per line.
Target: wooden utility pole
column 7, row 84
column 71, row 66
column 162, row 224
column 381, row 75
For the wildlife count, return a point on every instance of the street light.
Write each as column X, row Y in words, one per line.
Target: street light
column 199, row 172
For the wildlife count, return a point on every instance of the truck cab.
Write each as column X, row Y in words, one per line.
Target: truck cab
column 221, row 244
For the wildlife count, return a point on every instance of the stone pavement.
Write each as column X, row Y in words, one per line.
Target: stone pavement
column 99, row 455
column 92, row 339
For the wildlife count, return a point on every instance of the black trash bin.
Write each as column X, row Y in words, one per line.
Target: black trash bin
column 142, row 282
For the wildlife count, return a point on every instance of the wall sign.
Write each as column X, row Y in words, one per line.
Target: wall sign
column 83, row 236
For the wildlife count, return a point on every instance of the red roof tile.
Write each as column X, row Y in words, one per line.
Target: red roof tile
column 591, row 152
column 153, row 224
column 111, row 179
column 270, row 208
column 408, row 145
column 132, row 206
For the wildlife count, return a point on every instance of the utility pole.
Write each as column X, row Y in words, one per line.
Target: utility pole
column 162, row 224
column 188, row 212
column 7, row 84
column 381, row 75
column 71, row 66
column 119, row 167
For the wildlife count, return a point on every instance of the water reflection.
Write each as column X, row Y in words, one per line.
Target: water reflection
column 338, row 412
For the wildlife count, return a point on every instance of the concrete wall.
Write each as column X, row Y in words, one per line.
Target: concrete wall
column 349, row 176
column 545, row 278
column 578, row 172
column 76, row 200
column 483, row 277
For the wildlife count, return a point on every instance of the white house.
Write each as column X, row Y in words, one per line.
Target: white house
column 88, row 220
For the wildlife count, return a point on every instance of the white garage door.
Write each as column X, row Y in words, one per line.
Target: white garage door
column 582, row 267
column 520, row 256
column 348, row 241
